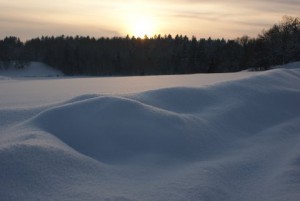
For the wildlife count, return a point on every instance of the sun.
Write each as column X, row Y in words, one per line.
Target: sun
column 139, row 19
column 143, row 26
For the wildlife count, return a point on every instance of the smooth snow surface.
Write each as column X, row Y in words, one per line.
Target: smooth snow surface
column 154, row 138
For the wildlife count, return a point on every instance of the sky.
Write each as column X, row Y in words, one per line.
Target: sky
column 107, row 18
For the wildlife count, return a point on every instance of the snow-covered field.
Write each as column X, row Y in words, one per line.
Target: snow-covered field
column 232, row 136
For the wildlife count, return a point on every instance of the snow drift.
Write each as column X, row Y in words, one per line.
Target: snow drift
column 33, row 69
column 236, row 140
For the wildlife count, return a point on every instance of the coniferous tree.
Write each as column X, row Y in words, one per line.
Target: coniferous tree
column 156, row 55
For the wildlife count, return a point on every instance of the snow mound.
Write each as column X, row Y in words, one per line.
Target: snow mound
column 176, row 122
column 4, row 78
column 34, row 69
column 113, row 129
column 238, row 140
column 292, row 65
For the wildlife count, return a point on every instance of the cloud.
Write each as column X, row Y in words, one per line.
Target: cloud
column 250, row 16
column 283, row 6
column 233, row 1
column 106, row 18
column 29, row 28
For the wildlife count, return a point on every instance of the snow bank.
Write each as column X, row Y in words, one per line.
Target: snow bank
column 292, row 65
column 34, row 69
column 4, row 78
column 236, row 140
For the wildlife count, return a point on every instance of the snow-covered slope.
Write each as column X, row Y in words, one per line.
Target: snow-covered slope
column 292, row 65
column 234, row 140
column 34, row 69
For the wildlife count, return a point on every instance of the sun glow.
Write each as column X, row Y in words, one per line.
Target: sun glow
column 143, row 26
column 139, row 20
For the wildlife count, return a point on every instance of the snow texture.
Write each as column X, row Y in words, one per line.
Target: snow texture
column 234, row 139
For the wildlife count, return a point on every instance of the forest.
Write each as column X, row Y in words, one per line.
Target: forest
column 156, row 55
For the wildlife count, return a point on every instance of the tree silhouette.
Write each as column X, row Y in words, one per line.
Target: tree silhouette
column 156, row 55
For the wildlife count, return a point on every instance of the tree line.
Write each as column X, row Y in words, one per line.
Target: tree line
column 156, row 55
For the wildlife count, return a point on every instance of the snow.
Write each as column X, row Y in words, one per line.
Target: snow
column 191, row 137
column 33, row 69
column 292, row 65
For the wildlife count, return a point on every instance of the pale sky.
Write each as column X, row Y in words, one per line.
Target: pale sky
column 202, row 18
